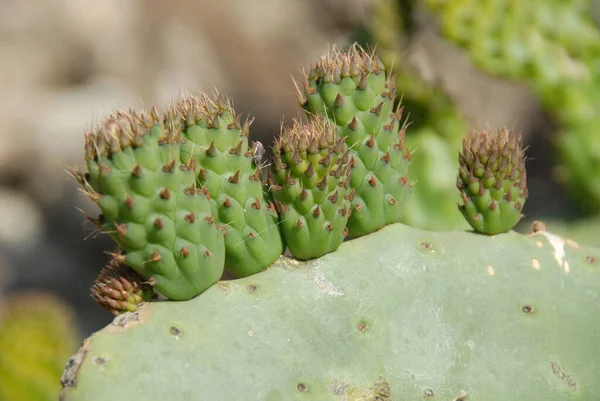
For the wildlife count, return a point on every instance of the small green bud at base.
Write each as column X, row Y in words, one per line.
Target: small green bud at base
column 120, row 289
column 492, row 180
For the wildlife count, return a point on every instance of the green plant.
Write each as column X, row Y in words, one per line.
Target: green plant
column 36, row 337
column 396, row 314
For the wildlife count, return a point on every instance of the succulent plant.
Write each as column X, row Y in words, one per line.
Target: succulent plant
column 492, row 180
column 37, row 335
column 311, row 180
column 151, row 204
column 402, row 314
column 119, row 289
column 352, row 88
column 217, row 142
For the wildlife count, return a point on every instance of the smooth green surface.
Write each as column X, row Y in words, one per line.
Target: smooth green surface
column 434, row 313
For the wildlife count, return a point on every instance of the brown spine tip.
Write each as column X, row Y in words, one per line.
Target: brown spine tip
column 392, row 201
column 370, row 142
column 184, row 251
column 237, row 150
column 350, row 196
column 408, row 155
column 377, row 110
column 310, row 171
column 317, row 212
column 165, row 194
column 207, row 253
column 212, row 150
column 255, row 204
column 122, row 229
column 204, row 192
column 329, row 227
column 158, row 223
column 299, row 224
column 322, row 185
column 403, row 180
column 339, row 100
column 209, row 220
column 255, row 176
column 235, row 178
column 191, row 190
column 251, row 235
column 129, row 202
column 346, row 231
column 155, row 257
column 334, row 197
column 137, row 171
column 227, row 202
column 372, row 181
column 190, row 217
column 203, row 174
column 303, row 194
column 169, row 167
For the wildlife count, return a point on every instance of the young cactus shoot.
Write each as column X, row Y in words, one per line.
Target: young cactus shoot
column 311, row 187
column 492, row 180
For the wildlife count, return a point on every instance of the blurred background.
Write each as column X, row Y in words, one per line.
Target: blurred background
column 65, row 64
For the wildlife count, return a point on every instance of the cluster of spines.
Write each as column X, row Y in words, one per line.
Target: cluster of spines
column 310, row 186
column 119, row 288
column 354, row 91
column 492, row 180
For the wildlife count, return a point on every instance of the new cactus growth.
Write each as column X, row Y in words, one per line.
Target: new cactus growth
column 492, row 180
column 311, row 175
column 352, row 89
column 217, row 141
column 119, row 289
column 151, row 204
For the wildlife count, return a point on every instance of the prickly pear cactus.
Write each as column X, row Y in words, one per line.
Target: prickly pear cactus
column 151, row 204
column 36, row 336
column 311, row 187
column 400, row 314
column 217, row 141
column 352, row 89
column 436, row 125
column 492, row 180
column 119, row 289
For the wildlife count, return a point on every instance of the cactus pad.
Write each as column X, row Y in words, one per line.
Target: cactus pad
column 151, row 205
column 401, row 314
column 312, row 176
column 119, row 289
column 492, row 180
column 218, row 142
column 353, row 90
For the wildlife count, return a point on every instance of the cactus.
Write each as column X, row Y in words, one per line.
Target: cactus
column 119, row 289
column 554, row 46
column 352, row 88
column 311, row 181
column 492, row 180
column 402, row 314
column 36, row 337
column 218, row 142
column 437, row 126
column 151, row 205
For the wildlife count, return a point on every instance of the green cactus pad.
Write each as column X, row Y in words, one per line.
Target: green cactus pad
column 37, row 335
column 119, row 289
column 492, row 180
column 311, row 179
column 352, row 89
column 402, row 314
column 218, row 142
column 151, row 205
